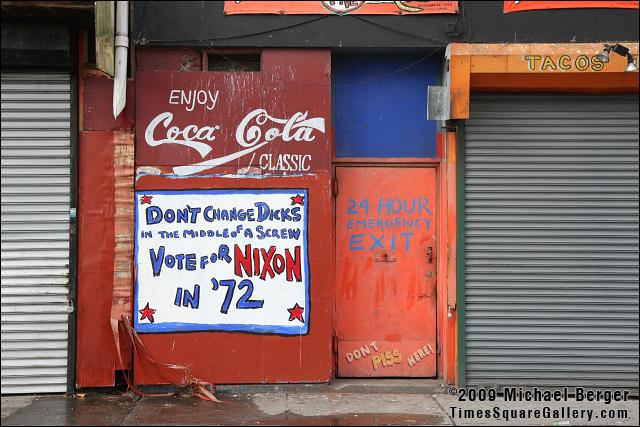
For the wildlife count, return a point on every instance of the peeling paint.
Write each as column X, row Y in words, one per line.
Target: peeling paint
column 123, row 155
column 222, row 175
column 147, row 170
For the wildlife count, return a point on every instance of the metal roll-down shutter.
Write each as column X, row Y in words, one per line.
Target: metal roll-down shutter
column 551, row 232
column 35, row 231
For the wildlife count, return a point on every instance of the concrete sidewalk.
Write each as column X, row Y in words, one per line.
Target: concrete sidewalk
column 341, row 403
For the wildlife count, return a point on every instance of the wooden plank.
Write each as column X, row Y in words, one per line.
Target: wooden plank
column 105, row 30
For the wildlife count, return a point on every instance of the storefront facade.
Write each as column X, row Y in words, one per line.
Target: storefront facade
column 548, row 220
column 274, row 204
column 224, row 133
column 279, row 117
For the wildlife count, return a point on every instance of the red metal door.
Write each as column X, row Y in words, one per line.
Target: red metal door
column 386, row 271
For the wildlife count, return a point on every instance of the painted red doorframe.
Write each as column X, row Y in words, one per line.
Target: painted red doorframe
column 446, row 246
column 386, row 275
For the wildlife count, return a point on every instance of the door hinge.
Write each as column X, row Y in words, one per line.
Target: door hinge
column 335, row 186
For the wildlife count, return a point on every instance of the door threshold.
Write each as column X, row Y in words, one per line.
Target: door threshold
column 390, row 385
column 347, row 385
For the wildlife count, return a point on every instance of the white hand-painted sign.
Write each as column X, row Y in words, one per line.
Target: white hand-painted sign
column 224, row 260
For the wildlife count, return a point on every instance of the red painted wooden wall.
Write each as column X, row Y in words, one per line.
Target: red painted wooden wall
column 290, row 80
column 105, row 220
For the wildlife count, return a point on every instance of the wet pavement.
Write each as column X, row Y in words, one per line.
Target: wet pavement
column 348, row 409
column 315, row 406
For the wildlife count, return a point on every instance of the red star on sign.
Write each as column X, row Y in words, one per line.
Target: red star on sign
column 145, row 200
column 297, row 200
column 147, row 313
column 296, row 313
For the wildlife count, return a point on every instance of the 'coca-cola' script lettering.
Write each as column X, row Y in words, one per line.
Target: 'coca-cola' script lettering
column 250, row 136
column 297, row 128
column 191, row 136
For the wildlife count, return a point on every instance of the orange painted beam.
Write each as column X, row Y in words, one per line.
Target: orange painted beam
column 452, row 295
column 510, row 49
column 447, row 291
column 442, row 256
column 460, row 83
column 386, row 160
column 556, row 82
column 450, row 338
column 568, row 67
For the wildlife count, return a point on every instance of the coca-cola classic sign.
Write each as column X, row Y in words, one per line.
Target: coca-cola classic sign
column 229, row 123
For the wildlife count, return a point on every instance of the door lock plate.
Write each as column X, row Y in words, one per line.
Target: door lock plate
column 384, row 256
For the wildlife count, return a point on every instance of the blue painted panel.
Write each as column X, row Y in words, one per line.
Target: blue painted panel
column 380, row 108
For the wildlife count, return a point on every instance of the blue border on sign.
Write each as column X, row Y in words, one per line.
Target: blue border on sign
column 249, row 328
